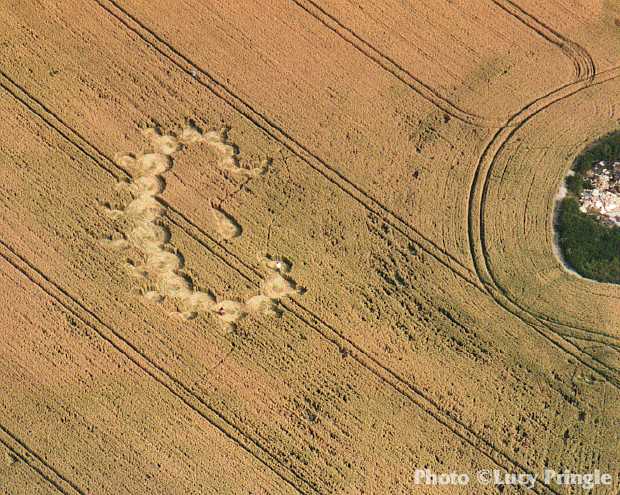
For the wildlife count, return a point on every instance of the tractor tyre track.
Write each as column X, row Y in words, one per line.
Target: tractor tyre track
column 585, row 68
column 196, row 403
column 29, row 457
column 307, row 317
column 164, row 378
column 477, row 242
column 393, row 67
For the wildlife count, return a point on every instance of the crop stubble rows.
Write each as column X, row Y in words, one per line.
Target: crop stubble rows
column 579, row 56
column 343, row 184
column 307, row 317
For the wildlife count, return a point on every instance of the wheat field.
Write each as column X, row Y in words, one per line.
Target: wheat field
column 299, row 246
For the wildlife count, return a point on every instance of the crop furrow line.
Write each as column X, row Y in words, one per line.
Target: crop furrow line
column 600, row 338
column 574, row 327
column 390, row 65
column 326, row 331
column 485, row 254
column 374, row 365
column 585, row 67
column 476, row 227
column 156, row 372
column 276, row 133
column 574, row 51
column 593, row 342
column 366, row 360
column 25, row 454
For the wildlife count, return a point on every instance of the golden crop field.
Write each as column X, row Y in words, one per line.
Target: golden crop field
column 300, row 246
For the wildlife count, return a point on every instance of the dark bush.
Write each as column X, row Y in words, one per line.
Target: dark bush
column 589, row 247
column 605, row 149
column 574, row 183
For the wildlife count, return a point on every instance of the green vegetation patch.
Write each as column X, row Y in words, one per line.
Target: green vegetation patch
column 589, row 246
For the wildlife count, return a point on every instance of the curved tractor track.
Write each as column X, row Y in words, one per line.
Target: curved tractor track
column 391, row 378
column 585, row 68
column 476, row 230
column 582, row 61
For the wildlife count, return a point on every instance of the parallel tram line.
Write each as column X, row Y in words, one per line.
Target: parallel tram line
column 275, row 132
column 156, row 372
column 390, row 65
column 581, row 59
column 585, row 69
column 23, row 453
column 318, row 165
column 386, row 375
column 196, row 403
column 298, row 153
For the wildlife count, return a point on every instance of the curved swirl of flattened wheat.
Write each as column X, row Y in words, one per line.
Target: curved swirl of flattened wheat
column 163, row 265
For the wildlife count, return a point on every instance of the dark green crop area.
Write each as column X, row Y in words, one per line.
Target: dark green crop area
column 590, row 248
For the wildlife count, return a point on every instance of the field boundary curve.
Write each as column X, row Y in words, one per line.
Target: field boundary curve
column 585, row 67
column 477, row 240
